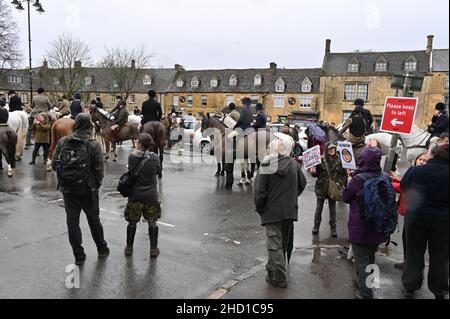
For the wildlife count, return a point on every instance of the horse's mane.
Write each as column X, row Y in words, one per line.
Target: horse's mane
column 218, row 121
column 103, row 113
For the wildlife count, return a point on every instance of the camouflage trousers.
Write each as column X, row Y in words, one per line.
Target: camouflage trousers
column 136, row 210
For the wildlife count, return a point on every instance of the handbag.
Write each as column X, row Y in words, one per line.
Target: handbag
column 128, row 179
column 334, row 189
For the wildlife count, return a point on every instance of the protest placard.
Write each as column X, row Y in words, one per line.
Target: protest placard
column 347, row 155
column 312, row 157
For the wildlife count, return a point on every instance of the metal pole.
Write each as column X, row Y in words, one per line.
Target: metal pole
column 29, row 53
column 396, row 137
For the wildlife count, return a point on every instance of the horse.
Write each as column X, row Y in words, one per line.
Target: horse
column 61, row 128
column 128, row 132
column 18, row 121
column 246, row 148
column 158, row 132
column 8, row 143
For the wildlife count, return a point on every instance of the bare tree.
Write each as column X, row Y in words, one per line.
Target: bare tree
column 65, row 57
column 9, row 49
column 123, row 67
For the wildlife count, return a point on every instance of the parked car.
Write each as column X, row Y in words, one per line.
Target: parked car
column 185, row 129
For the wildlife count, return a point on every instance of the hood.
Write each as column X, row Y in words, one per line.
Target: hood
column 370, row 160
column 83, row 124
column 327, row 146
column 276, row 165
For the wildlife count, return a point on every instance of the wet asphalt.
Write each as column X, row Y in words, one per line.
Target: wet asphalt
column 211, row 241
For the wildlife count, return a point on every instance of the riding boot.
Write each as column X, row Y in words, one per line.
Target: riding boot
column 131, row 233
column 153, row 231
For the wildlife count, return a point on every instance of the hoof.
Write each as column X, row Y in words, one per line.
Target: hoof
column 114, row 159
column 10, row 174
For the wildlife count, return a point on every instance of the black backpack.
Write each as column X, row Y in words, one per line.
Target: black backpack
column 128, row 179
column 73, row 166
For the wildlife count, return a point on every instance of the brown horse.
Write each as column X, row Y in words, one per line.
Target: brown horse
column 128, row 132
column 61, row 128
column 158, row 132
column 247, row 148
column 8, row 142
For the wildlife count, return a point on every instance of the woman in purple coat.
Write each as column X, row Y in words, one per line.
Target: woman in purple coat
column 364, row 240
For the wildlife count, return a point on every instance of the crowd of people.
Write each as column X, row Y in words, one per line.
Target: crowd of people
column 79, row 164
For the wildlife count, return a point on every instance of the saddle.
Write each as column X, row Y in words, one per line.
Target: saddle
column 116, row 133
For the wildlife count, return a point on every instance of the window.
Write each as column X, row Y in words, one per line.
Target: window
column 194, row 82
column 255, row 100
column 97, row 95
column 214, row 83
column 204, row 100
column 280, row 86
column 353, row 65
column 14, row 79
column 115, row 84
column 24, row 98
column 147, row 80
column 381, row 67
column 356, row 91
column 190, row 100
column 306, row 86
column 230, row 99
column 411, row 64
column 278, row 101
column 180, row 83
column 175, row 100
column 88, row 80
column 258, row 80
column 446, row 82
column 233, row 80
column 113, row 98
column 306, row 102
column 133, row 99
column 55, row 81
column 346, row 116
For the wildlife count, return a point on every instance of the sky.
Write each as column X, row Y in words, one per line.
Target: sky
column 218, row 34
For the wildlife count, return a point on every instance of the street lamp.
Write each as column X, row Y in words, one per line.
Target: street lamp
column 40, row 9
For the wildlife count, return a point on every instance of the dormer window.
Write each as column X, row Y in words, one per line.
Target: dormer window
column 147, row 80
column 353, row 66
column 88, row 80
column 306, row 86
column 14, row 79
column 180, row 83
column 257, row 80
column 280, row 86
column 115, row 84
column 55, row 81
column 233, row 80
column 411, row 64
column 214, row 83
column 381, row 65
column 194, row 82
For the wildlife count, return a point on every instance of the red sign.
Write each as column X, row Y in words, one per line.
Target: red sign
column 399, row 115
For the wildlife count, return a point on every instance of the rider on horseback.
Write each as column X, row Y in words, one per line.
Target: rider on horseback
column 77, row 106
column 151, row 110
column 120, row 118
column 245, row 118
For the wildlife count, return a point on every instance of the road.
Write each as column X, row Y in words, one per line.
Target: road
column 211, row 241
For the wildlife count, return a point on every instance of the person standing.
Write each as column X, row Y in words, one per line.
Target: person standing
column 79, row 184
column 42, row 129
column 426, row 224
column 143, row 200
column 15, row 103
column 77, row 106
column 261, row 118
column 278, row 185
column 363, row 238
column 330, row 168
column 439, row 124
column 151, row 109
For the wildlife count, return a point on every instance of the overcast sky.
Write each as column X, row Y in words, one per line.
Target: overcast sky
column 206, row 34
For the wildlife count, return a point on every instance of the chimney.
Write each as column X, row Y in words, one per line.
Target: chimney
column 273, row 67
column 77, row 64
column 430, row 44
column 133, row 64
column 45, row 64
column 179, row 67
column 327, row 46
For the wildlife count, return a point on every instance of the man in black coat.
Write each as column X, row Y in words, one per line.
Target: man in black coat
column 151, row 109
column 439, row 123
column 261, row 118
column 15, row 103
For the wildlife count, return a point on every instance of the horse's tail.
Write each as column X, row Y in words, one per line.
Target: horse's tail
column 11, row 147
column 54, row 135
column 155, row 136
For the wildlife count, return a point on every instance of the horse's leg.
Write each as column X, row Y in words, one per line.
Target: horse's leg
column 219, row 169
column 1, row 161
column 19, row 147
column 107, row 147
column 114, row 152
column 161, row 159
column 10, row 171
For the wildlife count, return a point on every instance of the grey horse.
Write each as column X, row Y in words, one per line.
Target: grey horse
column 8, row 142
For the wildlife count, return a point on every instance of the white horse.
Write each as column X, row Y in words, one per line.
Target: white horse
column 415, row 144
column 18, row 121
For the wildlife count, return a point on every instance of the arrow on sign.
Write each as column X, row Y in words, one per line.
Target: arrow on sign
column 396, row 122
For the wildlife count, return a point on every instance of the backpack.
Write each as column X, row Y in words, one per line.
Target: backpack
column 378, row 205
column 73, row 166
column 128, row 179
column 318, row 134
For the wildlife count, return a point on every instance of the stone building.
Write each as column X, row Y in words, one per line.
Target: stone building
column 282, row 91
